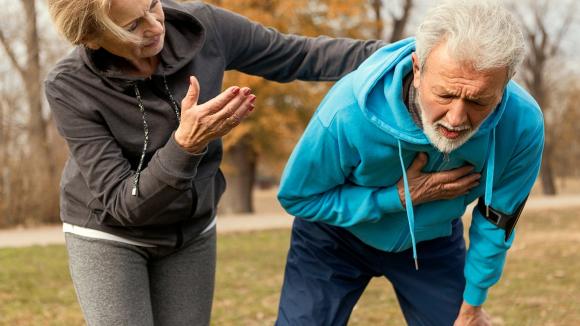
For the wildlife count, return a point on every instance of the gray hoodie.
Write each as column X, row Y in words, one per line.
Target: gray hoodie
column 97, row 112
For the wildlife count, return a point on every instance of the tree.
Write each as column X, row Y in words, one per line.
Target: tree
column 398, row 22
column 284, row 110
column 567, row 144
column 30, row 174
column 544, row 33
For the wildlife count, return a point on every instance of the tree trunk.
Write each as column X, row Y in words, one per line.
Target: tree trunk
column 241, row 160
column 547, row 172
column 400, row 23
column 32, row 80
column 377, row 7
column 41, row 154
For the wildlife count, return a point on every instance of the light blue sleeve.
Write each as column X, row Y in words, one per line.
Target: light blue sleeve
column 487, row 250
column 315, row 183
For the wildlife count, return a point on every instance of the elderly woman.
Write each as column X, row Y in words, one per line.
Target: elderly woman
column 138, row 102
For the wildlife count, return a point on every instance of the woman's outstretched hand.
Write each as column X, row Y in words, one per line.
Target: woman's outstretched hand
column 202, row 123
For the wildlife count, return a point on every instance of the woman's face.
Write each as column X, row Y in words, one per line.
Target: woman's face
column 144, row 19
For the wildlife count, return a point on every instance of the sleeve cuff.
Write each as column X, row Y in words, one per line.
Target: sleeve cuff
column 389, row 201
column 474, row 295
column 176, row 164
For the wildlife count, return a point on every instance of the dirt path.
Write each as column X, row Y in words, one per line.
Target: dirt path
column 272, row 219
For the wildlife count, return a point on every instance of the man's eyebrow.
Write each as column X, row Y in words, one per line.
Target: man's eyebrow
column 153, row 2
column 442, row 90
column 483, row 97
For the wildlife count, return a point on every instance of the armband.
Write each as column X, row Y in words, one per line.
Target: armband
column 501, row 220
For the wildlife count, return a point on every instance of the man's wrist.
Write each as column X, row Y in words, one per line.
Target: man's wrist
column 468, row 309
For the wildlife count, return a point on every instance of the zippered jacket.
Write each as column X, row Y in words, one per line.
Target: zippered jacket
column 96, row 110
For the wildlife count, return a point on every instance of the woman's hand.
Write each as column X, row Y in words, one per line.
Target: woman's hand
column 213, row 119
column 425, row 187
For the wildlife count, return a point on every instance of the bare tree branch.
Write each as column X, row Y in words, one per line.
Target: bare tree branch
column 400, row 23
column 11, row 54
column 564, row 29
column 544, row 44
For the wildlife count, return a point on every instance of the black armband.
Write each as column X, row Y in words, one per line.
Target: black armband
column 501, row 220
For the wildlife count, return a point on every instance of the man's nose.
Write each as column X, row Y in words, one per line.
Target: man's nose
column 457, row 114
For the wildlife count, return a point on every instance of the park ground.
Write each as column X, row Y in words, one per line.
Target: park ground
column 539, row 285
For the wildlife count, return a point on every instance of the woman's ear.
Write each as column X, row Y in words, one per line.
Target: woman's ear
column 91, row 41
column 93, row 45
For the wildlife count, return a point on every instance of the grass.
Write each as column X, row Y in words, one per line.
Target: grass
column 539, row 286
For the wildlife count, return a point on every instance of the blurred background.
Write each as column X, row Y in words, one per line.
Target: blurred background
column 32, row 154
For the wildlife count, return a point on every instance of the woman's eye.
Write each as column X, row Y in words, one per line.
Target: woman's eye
column 132, row 28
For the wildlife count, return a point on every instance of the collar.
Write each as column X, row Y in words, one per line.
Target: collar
column 410, row 99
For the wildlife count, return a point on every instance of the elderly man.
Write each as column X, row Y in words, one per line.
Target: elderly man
column 389, row 162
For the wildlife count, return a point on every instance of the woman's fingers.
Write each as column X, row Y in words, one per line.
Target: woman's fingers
column 213, row 119
column 192, row 95
column 234, row 117
column 232, row 106
column 218, row 103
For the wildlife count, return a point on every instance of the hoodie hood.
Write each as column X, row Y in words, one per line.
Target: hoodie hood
column 184, row 37
column 378, row 88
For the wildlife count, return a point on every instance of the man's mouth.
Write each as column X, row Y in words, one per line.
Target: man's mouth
column 449, row 133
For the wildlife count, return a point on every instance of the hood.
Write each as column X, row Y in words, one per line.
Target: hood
column 378, row 88
column 184, row 37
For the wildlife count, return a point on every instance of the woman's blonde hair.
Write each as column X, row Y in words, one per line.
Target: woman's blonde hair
column 81, row 21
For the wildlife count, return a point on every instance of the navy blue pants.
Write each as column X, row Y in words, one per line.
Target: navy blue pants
column 328, row 269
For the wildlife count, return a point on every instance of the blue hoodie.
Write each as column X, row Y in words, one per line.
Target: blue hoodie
column 361, row 140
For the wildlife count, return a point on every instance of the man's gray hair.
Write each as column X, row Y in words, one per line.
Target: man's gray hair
column 479, row 32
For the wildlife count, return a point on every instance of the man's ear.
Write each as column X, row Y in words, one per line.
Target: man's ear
column 416, row 70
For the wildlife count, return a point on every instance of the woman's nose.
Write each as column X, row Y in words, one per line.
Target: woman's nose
column 154, row 25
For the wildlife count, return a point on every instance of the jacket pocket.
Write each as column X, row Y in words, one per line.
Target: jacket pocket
column 151, row 212
column 207, row 193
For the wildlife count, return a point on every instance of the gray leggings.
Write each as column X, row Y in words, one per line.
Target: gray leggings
column 122, row 284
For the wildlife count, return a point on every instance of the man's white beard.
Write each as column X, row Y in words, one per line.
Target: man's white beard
column 442, row 143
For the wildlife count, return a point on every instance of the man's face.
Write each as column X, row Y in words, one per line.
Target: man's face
column 453, row 98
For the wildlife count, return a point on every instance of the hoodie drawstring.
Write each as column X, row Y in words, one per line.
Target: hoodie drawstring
column 145, row 141
column 489, row 171
column 409, row 206
column 135, row 190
